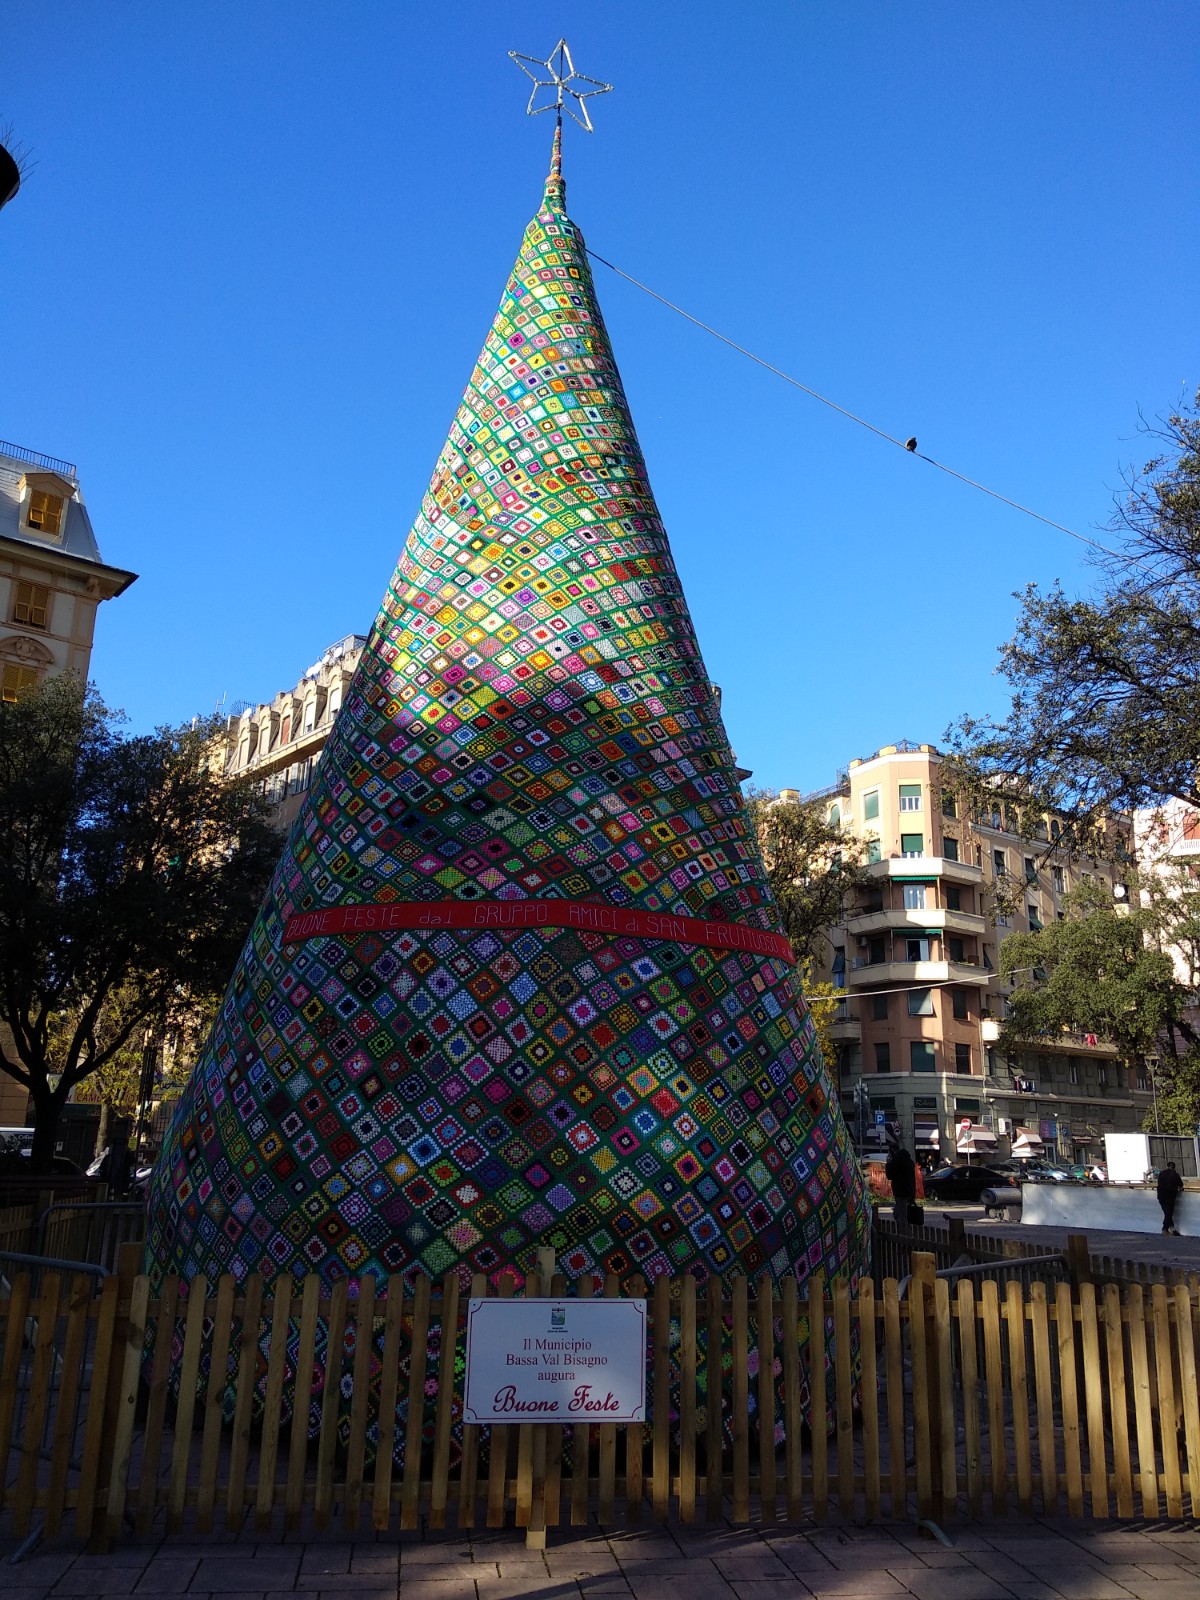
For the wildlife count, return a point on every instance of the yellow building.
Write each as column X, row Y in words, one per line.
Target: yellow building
column 919, row 952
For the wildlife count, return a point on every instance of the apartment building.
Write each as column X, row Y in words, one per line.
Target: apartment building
column 919, row 952
column 280, row 741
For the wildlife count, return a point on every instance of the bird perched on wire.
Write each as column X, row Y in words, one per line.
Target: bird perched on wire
column 910, row 444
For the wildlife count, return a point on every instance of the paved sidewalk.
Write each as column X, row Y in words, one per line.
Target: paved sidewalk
column 1031, row 1560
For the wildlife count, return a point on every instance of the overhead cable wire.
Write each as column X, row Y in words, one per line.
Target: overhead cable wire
column 862, row 422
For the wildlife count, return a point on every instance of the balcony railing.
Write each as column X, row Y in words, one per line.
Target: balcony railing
column 35, row 458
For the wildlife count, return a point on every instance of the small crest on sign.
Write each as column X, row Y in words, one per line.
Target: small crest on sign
column 558, row 1316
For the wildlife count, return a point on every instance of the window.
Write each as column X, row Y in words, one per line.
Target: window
column 987, row 960
column 916, row 949
column 45, row 511
column 999, row 863
column 31, row 604
column 958, row 998
column 914, row 897
column 286, row 736
column 1143, row 1082
column 962, row 1058
column 1035, row 920
column 883, row 1058
column 1059, row 879
column 920, row 1002
column 953, row 897
column 912, row 844
column 335, row 704
column 1030, row 870
column 920, row 1055
column 16, row 681
column 873, row 853
column 310, row 716
column 949, row 847
column 949, row 809
column 1055, row 829
column 839, row 968
column 1073, row 1073
column 871, row 805
column 910, row 797
column 1102, row 1077
column 958, row 950
column 875, row 953
column 879, row 1007
column 966, row 1108
column 835, row 816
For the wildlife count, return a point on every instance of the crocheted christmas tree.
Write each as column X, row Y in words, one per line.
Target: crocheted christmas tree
column 518, row 979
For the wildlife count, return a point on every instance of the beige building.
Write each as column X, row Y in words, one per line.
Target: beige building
column 281, row 740
column 52, row 580
column 919, row 953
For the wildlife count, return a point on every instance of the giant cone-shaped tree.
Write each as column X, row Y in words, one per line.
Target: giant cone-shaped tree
column 531, row 735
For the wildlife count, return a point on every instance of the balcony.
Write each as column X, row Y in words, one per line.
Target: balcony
column 903, row 921
column 883, row 974
column 915, row 869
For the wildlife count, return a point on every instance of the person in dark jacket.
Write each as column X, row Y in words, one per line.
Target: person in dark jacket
column 1170, row 1185
column 901, row 1173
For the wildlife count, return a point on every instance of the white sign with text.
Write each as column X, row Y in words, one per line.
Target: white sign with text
column 555, row 1361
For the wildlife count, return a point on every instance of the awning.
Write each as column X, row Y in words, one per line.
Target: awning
column 981, row 1139
column 926, row 1135
column 1026, row 1143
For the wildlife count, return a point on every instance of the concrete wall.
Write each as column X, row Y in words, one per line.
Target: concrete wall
column 1086, row 1207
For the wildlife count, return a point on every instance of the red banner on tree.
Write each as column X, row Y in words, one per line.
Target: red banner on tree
column 423, row 915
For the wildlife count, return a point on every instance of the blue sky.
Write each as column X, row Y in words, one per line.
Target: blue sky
column 262, row 243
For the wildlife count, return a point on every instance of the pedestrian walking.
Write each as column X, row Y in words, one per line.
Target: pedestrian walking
column 1170, row 1185
column 901, row 1173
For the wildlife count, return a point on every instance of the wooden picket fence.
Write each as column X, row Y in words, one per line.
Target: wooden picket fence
column 949, row 1399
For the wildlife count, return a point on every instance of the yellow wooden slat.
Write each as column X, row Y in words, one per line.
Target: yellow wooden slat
column 968, row 1344
column 793, row 1415
column 765, row 1324
column 122, row 1445
column 1140, row 1378
column 817, row 1404
column 525, row 1430
column 410, row 1487
column 870, row 1397
column 1168, row 1409
column 1043, row 1388
column 268, row 1448
column 660, row 1481
column 74, row 1346
column 310, row 1309
column 185, row 1404
column 243, row 1404
column 214, row 1403
column 740, row 1415
column 922, row 1403
column 41, row 1377
column 893, row 1355
column 1064, row 1328
column 580, row 1437
column 331, row 1401
column 443, row 1426
column 989, row 1311
column 635, row 1440
column 1097, row 1437
column 714, row 1380
column 608, row 1440
column 156, row 1407
column 555, row 1436
column 945, row 1408
column 687, row 1398
column 843, row 1395
column 1019, row 1387
column 1189, row 1390
column 498, row 1441
column 14, row 1341
column 360, row 1403
column 1118, row 1414
column 93, row 1437
column 468, row 1472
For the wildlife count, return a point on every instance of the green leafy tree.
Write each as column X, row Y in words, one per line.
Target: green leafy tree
column 1105, row 713
column 129, row 870
column 1097, row 971
column 812, row 865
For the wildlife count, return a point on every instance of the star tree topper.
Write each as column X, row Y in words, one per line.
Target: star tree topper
column 562, row 76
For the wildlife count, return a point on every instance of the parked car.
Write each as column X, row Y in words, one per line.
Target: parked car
column 964, row 1183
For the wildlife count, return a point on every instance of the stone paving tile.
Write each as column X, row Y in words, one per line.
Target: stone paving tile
column 768, row 1589
column 274, row 1572
column 167, row 1575
column 861, row 1580
column 91, row 1579
column 960, row 1585
column 436, row 1589
column 1080, row 1582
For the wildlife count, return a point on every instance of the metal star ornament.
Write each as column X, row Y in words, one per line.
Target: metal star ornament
column 559, row 82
